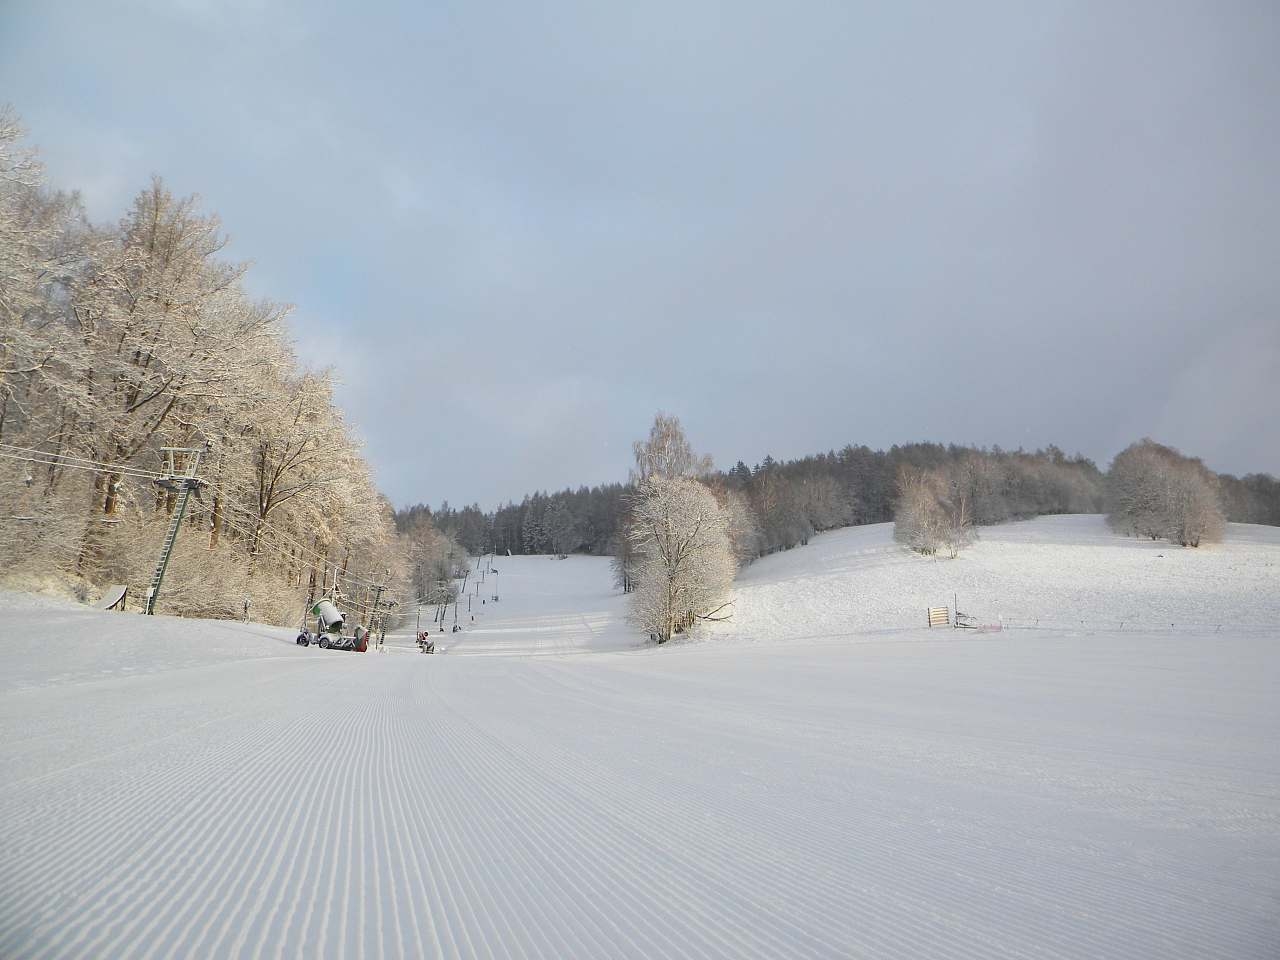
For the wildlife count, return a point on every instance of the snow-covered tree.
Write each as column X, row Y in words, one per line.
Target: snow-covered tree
column 920, row 521
column 1157, row 492
column 1196, row 514
column 824, row 504
column 742, row 527
column 116, row 342
column 680, row 558
column 561, row 529
column 625, row 560
column 687, row 569
column 667, row 453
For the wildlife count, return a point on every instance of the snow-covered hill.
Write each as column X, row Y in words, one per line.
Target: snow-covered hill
column 1069, row 572
column 799, row 784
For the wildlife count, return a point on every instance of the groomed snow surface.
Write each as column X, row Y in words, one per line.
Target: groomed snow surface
column 819, row 778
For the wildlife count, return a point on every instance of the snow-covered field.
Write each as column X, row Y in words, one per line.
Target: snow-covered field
column 819, row 778
column 1068, row 573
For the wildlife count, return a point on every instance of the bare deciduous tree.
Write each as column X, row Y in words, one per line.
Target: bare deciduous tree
column 920, row 519
column 117, row 342
column 666, row 453
column 688, row 566
column 1157, row 492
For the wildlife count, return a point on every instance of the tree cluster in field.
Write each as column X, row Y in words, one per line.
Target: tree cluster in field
column 938, row 507
column 1151, row 490
column 1155, row 491
column 118, row 341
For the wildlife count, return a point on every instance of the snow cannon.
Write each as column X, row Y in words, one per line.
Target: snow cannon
column 329, row 618
column 328, row 635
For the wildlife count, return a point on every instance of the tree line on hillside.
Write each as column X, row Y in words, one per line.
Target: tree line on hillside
column 117, row 341
column 687, row 530
column 936, row 493
column 939, row 506
column 1253, row 498
column 584, row 520
column 785, row 503
column 1151, row 490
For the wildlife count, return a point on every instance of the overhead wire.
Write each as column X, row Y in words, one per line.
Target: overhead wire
column 45, row 458
column 54, row 462
column 204, row 509
column 279, row 535
column 68, row 459
column 246, row 532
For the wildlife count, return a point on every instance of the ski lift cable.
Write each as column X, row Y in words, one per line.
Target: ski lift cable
column 137, row 475
column 44, row 458
column 204, row 509
column 70, row 460
column 309, row 552
column 67, row 459
column 47, row 453
column 51, row 461
column 245, row 531
column 268, row 527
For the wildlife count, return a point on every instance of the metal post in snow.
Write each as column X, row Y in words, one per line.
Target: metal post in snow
column 188, row 483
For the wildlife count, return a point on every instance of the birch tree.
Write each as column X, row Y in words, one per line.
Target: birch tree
column 667, row 453
column 687, row 568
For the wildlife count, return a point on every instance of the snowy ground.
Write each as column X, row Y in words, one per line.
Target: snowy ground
column 545, row 606
column 1067, row 573
column 179, row 788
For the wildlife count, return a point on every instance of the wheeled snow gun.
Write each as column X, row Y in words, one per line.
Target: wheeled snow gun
column 328, row 633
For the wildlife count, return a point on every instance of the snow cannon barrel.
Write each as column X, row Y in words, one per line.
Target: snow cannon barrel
column 330, row 617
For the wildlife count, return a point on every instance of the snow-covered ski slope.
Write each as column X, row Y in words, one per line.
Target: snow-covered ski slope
column 545, row 606
column 186, row 789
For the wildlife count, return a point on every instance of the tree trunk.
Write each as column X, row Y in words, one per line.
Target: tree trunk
column 215, row 523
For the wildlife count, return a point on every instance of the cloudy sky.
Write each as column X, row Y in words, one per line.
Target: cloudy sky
column 518, row 230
